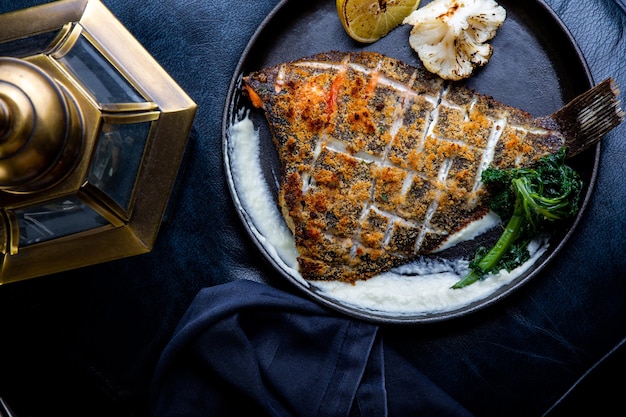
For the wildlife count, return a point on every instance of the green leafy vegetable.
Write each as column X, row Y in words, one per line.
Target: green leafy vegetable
column 531, row 201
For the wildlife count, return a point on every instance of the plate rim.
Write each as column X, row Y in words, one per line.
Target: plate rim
column 230, row 111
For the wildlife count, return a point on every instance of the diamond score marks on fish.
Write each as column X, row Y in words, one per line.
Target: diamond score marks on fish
column 381, row 161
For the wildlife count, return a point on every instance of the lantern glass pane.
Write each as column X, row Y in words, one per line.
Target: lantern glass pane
column 98, row 76
column 56, row 219
column 118, row 155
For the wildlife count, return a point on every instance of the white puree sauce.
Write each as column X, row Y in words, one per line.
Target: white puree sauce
column 419, row 288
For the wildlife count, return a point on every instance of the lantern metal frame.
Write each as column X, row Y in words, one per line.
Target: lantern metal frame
column 43, row 35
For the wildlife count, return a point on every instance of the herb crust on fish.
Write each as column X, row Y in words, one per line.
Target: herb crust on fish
column 381, row 161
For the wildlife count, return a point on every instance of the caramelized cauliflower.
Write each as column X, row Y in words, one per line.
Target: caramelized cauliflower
column 450, row 35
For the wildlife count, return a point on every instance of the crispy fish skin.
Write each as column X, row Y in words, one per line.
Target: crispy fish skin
column 381, row 161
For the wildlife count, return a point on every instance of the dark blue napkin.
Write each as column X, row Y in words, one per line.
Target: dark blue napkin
column 622, row 4
column 247, row 347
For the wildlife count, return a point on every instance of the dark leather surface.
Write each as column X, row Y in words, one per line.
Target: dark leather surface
column 97, row 332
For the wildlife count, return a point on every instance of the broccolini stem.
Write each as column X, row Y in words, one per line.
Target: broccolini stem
column 468, row 279
column 547, row 207
column 509, row 235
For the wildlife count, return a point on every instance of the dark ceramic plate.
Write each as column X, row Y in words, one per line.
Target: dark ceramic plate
column 536, row 66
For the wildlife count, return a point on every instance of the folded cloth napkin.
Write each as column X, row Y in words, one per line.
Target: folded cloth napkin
column 622, row 4
column 247, row 347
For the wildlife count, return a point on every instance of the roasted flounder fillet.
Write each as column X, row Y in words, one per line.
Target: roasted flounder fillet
column 381, row 161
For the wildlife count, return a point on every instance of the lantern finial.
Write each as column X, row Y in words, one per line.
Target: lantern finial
column 40, row 128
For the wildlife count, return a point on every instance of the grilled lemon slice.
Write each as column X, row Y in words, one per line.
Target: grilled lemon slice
column 369, row 20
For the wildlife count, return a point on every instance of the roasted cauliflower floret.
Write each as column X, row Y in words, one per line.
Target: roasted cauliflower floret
column 450, row 35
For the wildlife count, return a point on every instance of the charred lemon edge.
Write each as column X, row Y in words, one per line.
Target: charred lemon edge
column 370, row 21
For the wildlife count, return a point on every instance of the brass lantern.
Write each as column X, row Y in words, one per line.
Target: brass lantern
column 92, row 134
